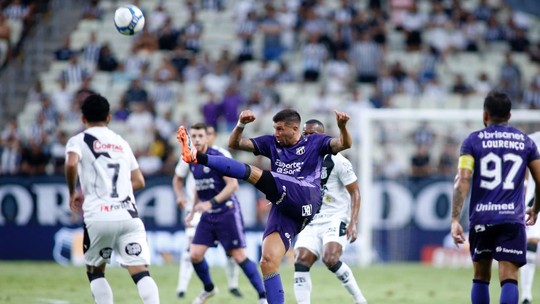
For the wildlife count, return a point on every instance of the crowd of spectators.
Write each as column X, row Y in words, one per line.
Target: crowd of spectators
column 339, row 47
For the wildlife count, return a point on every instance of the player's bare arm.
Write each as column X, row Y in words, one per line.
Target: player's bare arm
column 344, row 141
column 178, row 187
column 354, row 191
column 532, row 213
column 137, row 179
column 236, row 141
column 231, row 185
column 461, row 189
column 75, row 200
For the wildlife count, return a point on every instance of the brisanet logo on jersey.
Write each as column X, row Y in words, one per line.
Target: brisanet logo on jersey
column 508, row 250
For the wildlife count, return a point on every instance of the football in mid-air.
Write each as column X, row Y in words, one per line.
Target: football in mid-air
column 128, row 20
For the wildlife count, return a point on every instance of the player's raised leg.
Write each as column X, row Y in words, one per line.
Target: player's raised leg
column 273, row 251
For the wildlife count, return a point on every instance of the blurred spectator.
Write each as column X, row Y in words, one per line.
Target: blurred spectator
column 423, row 135
column 420, row 162
column 135, row 93
column 83, row 91
column 64, row 52
column 483, row 10
column 34, row 159
column 107, row 60
column 510, row 75
column 146, row 42
column 367, row 57
column 165, row 125
column 354, row 106
column 74, row 73
column 211, row 111
column 314, row 55
column 191, row 33
column 386, row 84
column 430, row 59
column 340, row 75
column 157, row 18
column 122, row 111
column 165, row 71
column 163, row 94
column 519, row 42
column 49, row 110
column 494, row 30
column 447, row 164
column 531, row 96
column 392, row 167
column 460, row 86
column 413, row 24
column 246, row 33
column 35, row 93
column 284, row 75
column 216, row 82
column 92, row 10
column 16, row 10
column 10, row 156
column 140, row 120
column 534, row 53
column 473, row 31
column 5, row 40
column 180, row 59
column 324, row 102
column 271, row 30
column 11, row 129
column 58, row 152
column 230, row 106
column 90, row 51
column 482, row 85
column 193, row 72
column 168, row 36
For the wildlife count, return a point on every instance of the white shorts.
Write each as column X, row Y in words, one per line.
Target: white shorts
column 315, row 236
column 533, row 232
column 190, row 231
column 126, row 238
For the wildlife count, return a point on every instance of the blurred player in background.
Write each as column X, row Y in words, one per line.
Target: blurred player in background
column 495, row 161
column 109, row 173
column 293, row 186
column 332, row 228
column 221, row 219
column 185, row 200
column 533, row 236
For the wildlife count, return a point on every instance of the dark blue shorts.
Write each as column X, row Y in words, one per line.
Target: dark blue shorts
column 226, row 228
column 502, row 242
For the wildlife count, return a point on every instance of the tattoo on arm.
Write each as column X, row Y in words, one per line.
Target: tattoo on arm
column 457, row 203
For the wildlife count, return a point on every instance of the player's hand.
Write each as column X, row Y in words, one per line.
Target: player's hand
column 203, row 206
column 246, row 117
column 342, row 118
column 531, row 217
column 188, row 219
column 457, row 233
column 352, row 233
column 181, row 202
column 75, row 202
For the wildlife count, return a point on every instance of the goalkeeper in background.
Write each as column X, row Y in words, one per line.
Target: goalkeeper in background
column 332, row 228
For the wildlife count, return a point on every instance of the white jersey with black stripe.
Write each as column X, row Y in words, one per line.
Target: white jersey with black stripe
column 105, row 164
column 336, row 201
column 530, row 181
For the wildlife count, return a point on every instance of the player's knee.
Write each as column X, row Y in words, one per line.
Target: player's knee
column 195, row 257
column 268, row 263
column 138, row 276
column 95, row 275
column 330, row 259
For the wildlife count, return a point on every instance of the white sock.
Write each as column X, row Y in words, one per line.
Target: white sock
column 302, row 287
column 346, row 276
column 148, row 290
column 232, row 272
column 184, row 272
column 526, row 275
column 101, row 290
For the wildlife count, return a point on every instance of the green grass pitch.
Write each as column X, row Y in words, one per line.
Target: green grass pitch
column 47, row 282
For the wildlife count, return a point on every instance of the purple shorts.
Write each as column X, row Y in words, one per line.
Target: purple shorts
column 502, row 242
column 227, row 228
column 296, row 204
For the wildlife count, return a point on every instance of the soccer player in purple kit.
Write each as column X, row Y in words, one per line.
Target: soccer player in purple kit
column 492, row 163
column 220, row 221
column 293, row 185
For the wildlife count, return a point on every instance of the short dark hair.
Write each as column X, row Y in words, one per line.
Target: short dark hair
column 95, row 108
column 314, row 122
column 288, row 116
column 498, row 105
column 199, row 126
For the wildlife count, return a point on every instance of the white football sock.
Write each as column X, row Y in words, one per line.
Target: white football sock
column 148, row 290
column 346, row 276
column 232, row 272
column 184, row 272
column 526, row 275
column 101, row 290
column 302, row 287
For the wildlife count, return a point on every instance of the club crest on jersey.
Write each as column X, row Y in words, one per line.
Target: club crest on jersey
column 324, row 173
column 306, row 210
column 300, row 150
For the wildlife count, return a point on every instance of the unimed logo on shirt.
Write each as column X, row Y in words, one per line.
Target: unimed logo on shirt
column 494, row 207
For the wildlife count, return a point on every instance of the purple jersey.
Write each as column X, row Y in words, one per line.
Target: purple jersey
column 209, row 183
column 501, row 154
column 301, row 161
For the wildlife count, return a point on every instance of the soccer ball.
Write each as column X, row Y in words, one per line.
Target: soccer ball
column 128, row 20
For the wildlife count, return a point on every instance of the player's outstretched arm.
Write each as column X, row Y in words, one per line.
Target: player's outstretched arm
column 461, row 189
column 344, row 141
column 236, row 141
column 137, row 180
column 532, row 213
